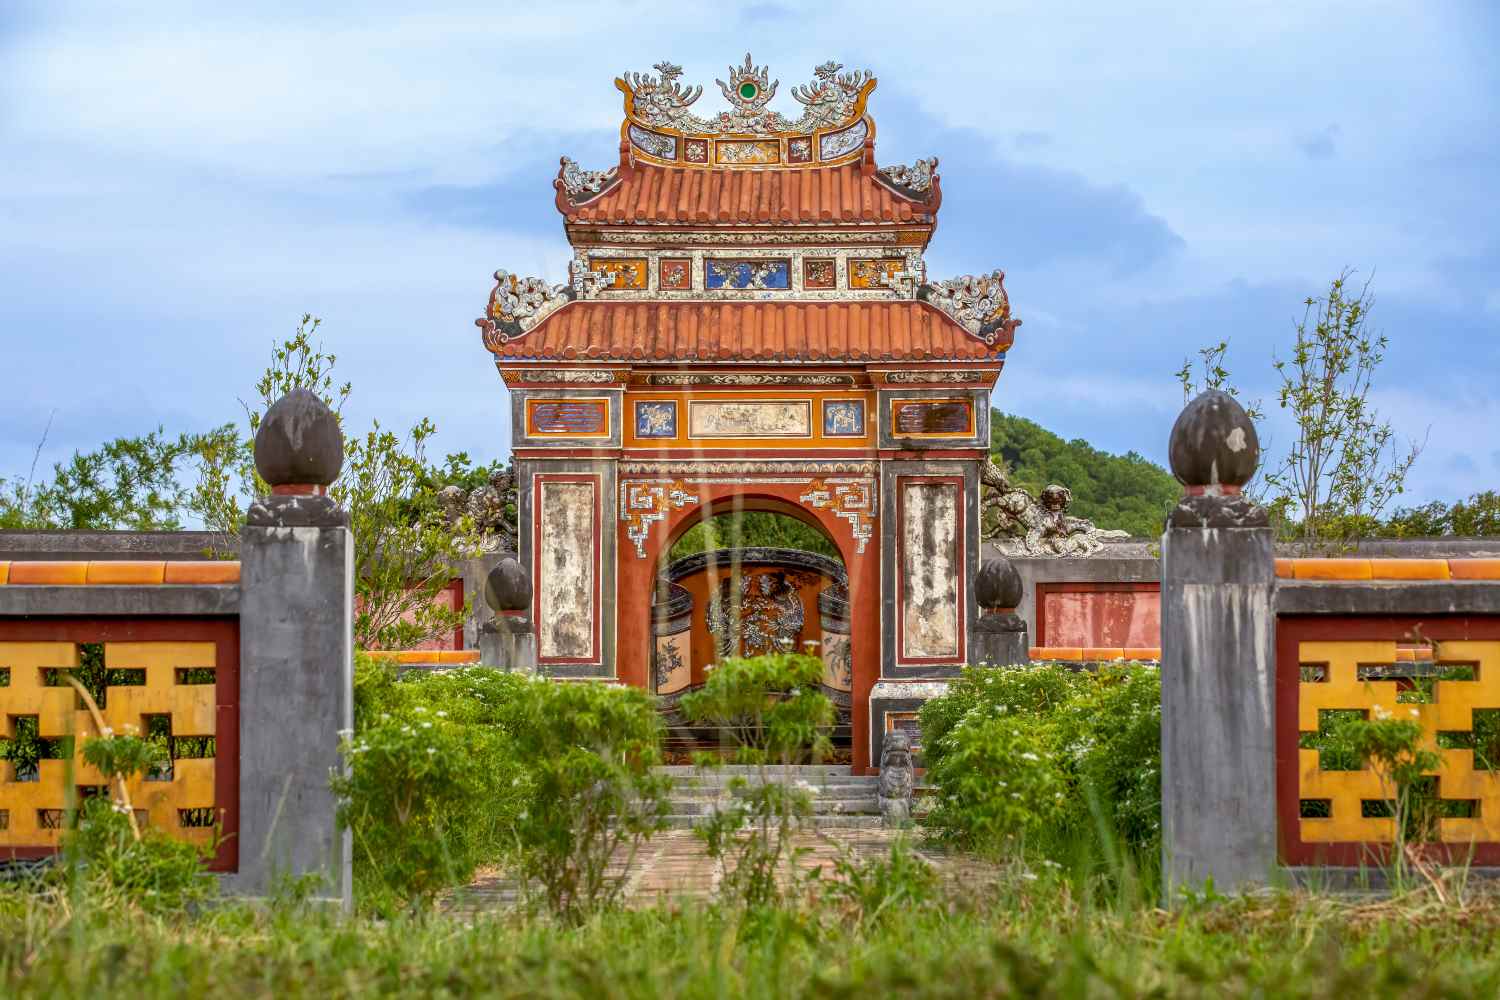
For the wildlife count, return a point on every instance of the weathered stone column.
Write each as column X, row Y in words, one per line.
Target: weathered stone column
column 1218, row 658
column 999, row 632
column 296, row 655
column 508, row 640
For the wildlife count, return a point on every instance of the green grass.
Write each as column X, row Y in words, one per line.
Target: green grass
column 1019, row 937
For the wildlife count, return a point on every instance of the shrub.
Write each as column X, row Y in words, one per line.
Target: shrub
column 587, row 751
column 433, row 781
column 773, row 707
column 155, row 871
column 1017, row 754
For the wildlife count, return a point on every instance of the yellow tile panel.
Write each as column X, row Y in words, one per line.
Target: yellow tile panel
column 1451, row 710
column 59, row 712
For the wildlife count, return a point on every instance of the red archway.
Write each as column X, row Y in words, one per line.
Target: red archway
column 637, row 570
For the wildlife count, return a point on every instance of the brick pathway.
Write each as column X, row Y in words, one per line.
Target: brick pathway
column 673, row 864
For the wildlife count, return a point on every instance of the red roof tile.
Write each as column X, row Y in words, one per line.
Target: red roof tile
column 650, row 194
column 750, row 331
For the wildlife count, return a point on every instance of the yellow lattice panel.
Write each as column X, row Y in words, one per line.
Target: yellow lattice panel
column 1451, row 710
column 31, row 807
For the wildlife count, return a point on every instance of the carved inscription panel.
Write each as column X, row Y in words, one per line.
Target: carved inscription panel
column 931, row 564
column 566, row 569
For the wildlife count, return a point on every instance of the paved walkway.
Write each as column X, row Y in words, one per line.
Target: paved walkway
column 674, row 864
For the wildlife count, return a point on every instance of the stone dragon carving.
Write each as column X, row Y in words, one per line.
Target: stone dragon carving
column 491, row 508
column 979, row 303
column 916, row 178
column 518, row 304
column 580, row 183
column 1035, row 526
column 829, row 100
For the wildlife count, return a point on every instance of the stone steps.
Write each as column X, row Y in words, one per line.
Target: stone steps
column 840, row 799
column 827, row 821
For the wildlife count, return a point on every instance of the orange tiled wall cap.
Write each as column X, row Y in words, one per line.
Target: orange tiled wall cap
column 440, row 656
column 1092, row 654
column 124, row 572
column 1388, row 569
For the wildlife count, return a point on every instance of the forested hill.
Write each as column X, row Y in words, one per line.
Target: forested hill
column 1114, row 491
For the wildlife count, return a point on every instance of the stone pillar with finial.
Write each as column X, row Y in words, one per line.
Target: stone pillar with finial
column 999, row 633
column 1218, row 624
column 296, row 655
column 508, row 640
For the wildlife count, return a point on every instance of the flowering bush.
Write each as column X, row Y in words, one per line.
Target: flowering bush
column 432, row 784
column 1018, row 753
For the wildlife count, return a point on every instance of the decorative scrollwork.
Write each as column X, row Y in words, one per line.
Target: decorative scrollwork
column 916, row 178
column 978, row 304
column 580, row 183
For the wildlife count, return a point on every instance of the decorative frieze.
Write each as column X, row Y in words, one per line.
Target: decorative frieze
column 851, row 499
column 645, row 504
column 747, row 379
column 768, row 418
column 563, row 375
column 938, row 378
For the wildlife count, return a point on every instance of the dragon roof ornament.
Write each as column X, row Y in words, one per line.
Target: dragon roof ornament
column 660, row 122
column 518, row 304
column 979, row 304
column 916, row 178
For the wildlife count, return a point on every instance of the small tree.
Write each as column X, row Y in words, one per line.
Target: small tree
column 405, row 550
column 1345, row 464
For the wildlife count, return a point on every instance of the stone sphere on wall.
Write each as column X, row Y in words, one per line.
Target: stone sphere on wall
column 508, row 586
column 299, row 442
column 1214, row 442
column 998, row 584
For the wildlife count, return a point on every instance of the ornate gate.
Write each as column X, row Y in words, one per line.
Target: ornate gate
column 748, row 324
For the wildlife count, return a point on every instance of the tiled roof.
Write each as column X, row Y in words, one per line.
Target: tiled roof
column 899, row 330
column 650, row 194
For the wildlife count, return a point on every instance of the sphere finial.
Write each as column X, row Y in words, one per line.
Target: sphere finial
column 998, row 585
column 508, row 586
column 1214, row 447
column 299, row 443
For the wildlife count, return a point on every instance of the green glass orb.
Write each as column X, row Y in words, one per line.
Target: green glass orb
column 748, row 91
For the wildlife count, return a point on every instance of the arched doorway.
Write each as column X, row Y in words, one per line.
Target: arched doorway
column 692, row 501
column 745, row 583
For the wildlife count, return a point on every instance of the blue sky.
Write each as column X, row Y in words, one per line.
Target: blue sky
column 180, row 181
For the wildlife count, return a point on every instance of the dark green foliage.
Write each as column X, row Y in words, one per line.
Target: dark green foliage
column 157, row 873
column 1017, row 755
column 587, row 751
column 1479, row 516
column 451, row 770
column 771, row 705
column 1122, row 492
column 129, row 483
column 753, row 528
column 433, row 784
